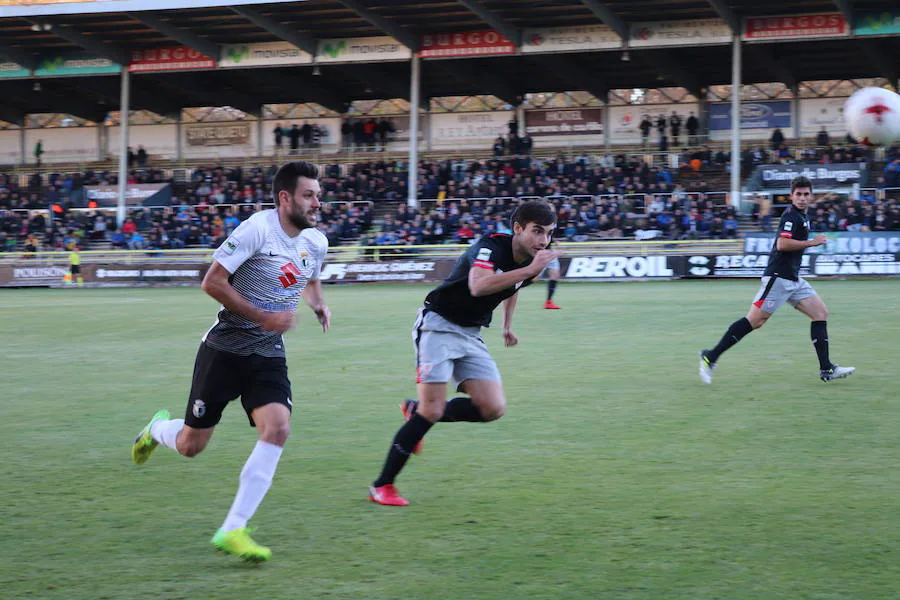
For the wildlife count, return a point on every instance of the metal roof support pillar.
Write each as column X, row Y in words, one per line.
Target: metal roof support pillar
column 23, row 156
column 124, row 109
column 412, row 182
column 736, row 121
column 607, row 121
column 703, row 118
column 428, row 129
column 795, row 110
column 179, row 136
column 260, row 144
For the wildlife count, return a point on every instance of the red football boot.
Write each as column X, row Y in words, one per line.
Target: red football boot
column 387, row 495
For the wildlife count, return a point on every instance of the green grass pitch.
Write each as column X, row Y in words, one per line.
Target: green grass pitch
column 614, row 474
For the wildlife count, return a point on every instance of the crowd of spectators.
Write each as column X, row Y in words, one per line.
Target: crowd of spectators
column 597, row 197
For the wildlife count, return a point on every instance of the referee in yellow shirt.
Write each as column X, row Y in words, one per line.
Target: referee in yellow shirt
column 75, row 266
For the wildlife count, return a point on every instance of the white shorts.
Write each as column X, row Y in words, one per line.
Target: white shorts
column 775, row 291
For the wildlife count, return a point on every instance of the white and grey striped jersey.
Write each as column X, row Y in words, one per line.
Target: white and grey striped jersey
column 269, row 269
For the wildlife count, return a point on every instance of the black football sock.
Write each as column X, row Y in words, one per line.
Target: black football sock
column 405, row 441
column 462, row 409
column 551, row 289
column 818, row 331
column 736, row 331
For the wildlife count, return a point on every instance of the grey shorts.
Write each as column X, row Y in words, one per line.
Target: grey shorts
column 553, row 264
column 775, row 291
column 447, row 352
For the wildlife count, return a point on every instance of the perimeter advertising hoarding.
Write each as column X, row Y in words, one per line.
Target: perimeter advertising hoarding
column 25, row 274
column 845, row 253
column 733, row 265
column 691, row 32
column 11, row 69
column 564, row 121
column 480, row 127
column 265, row 54
column 362, row 49
column 794, row 27
column 225, row 134
column 816, row 113
column 22, row 8
column 625, row 121
column 569, row 39
column 621, row 267
column 36, row 2
column 161, row 272
column 136, row 194
column 754, row 115
column 822, row 176
column 884, row 22
column 466, row 43
column 58, row 65
column 148, row 272
column 175, row 58
column 431, row 271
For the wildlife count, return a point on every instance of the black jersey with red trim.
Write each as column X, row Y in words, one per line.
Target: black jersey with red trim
column 453, row 300
column 795, row 226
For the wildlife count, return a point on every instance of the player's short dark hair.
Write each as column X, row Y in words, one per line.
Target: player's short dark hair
column 799, row 182
column 534, row 211
column 289, row 173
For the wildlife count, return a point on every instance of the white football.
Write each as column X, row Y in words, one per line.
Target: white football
column 872, row 115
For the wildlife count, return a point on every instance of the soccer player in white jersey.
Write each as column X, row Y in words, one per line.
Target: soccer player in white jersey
column 258, row 275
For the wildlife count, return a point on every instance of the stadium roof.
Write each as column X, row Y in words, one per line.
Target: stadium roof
column 115, row 35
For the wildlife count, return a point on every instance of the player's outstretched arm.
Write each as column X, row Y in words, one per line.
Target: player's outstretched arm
column 312, row 295
column 216, row 284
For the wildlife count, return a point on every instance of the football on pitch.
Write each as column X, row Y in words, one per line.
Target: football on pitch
column 872, row 115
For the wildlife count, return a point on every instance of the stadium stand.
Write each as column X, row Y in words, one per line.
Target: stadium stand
column 599, row 197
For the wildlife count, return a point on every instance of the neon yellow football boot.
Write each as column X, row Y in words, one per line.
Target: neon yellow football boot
column 144, row 444
column 239, row 543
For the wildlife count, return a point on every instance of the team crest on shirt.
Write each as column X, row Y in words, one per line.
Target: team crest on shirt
column 199, row 408
column 230, row 245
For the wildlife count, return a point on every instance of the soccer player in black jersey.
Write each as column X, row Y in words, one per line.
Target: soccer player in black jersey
column 447, row 336
column 782, row 283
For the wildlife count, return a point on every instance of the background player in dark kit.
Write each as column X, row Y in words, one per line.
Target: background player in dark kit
column 782, row 283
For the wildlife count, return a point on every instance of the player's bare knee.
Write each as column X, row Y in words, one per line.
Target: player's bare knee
column 431, row 412
column 758, row 320
column 276, row 434
column 493, row 412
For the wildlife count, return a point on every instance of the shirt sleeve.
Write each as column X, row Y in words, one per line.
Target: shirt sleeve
column 244, row 242
column 321, row 251
column 788, row 226
column 485, row 256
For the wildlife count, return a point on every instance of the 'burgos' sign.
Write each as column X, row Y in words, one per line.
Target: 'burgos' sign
column 843, row 174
